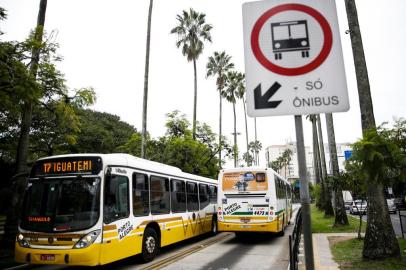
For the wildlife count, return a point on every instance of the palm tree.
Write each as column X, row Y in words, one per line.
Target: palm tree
column 316, row 159
column 192, row 31
column 145, row 98
column 339, row 207
column 328, row 207
column 235, row 80
column 241, row 95
column 23, row 143
column 218, row 65
column 255, row 139
column 380, row 239
column 255, row 147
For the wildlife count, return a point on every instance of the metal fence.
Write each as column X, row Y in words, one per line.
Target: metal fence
column 402, row 220
column 294, row 241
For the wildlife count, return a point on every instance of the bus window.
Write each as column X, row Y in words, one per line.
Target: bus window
column 213, row 194
column 260, row 177
column 203, row 195
column 140, row 194
column 160, row 203
column 192, row 198
column 178, row 196
column 116, row 203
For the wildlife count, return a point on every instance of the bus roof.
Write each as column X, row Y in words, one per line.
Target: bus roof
column 121, row 159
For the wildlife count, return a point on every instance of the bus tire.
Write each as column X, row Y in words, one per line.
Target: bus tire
column 282, row 232
column 214, row 228
column 150, row 245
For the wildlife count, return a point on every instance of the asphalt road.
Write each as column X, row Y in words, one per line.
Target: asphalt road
column 395, row 222
column 221, row 252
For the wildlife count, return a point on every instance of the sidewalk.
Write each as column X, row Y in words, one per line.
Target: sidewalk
column 323, row 259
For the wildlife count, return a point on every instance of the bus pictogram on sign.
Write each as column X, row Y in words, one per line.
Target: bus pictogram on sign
column 290, row 36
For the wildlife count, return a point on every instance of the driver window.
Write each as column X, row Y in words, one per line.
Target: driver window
column 116, row 198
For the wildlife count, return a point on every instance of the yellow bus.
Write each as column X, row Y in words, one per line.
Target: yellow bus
column 93, row 209
column 253, row 199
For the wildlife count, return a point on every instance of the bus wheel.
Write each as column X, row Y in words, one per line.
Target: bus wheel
column 149, row 245
column 282, row 233
column 214, row 229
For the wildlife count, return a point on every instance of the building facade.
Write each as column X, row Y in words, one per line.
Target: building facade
column 291, row 171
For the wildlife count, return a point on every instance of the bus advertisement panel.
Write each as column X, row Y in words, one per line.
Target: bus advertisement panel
column 244, row 181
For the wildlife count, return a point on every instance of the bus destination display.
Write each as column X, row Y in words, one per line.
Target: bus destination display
column 68, row 165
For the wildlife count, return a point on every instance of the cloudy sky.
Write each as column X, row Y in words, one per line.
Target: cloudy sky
column 103, row 45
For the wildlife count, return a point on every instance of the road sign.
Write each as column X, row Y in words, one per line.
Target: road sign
column 347, row 154
column 293, row 58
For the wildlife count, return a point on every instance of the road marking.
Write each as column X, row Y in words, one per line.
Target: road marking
column 17, row 267
column 167, row 261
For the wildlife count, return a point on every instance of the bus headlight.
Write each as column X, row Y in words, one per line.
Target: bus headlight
column 87, row 240
column 22, row 242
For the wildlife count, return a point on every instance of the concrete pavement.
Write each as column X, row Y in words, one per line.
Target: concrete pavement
column 323, row 258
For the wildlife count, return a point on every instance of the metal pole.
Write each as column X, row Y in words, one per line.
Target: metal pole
column 304, row 194
column 401, row 226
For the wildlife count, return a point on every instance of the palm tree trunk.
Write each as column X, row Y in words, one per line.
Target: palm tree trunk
column 328, row 207
column 235, row 138
column 339, row 207
column 246, row 130
column 145, row 99
column 194, row 101
column 220, row 115
column 316, row 161
column 20, row 178
column 380, row 240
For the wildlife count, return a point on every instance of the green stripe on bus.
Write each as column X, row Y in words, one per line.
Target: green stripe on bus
column 280, row 211
column 241, row 213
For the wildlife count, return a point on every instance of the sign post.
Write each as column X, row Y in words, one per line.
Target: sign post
column 293, row 66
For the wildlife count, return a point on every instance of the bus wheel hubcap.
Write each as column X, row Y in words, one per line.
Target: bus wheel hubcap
column 150, row 244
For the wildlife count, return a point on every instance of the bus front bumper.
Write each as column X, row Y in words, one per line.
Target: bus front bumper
column 87, row 256
column 271, row 226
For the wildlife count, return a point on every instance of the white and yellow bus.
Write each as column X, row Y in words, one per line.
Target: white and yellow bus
column 253, row 199
column 93, row 209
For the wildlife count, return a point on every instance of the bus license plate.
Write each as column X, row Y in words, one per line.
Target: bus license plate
column 47, row 257
column 245, row 226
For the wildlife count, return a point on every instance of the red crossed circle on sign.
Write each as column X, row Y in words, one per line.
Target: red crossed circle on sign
column 328, row 40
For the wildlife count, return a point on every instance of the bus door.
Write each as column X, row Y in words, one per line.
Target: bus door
column 117, row 223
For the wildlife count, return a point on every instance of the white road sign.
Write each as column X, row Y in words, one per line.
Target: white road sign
column 293, row 58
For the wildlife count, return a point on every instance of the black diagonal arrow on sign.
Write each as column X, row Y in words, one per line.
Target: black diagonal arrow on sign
column 262, row 101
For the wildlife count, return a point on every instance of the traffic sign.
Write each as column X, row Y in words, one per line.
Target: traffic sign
column 293, row 58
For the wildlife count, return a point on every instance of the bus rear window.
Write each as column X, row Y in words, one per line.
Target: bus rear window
column 260, row 177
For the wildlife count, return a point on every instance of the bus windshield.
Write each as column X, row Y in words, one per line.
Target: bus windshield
column 61, row 204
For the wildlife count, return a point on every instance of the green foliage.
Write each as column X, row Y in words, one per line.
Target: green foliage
column 380, row 156
column 248, row 158
column 177, row 147
column 317, row 195
column 218, row 65
column 101, row 133
column 192, row 31
column 54, row 123
column 282, row 161
column 177, row 125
